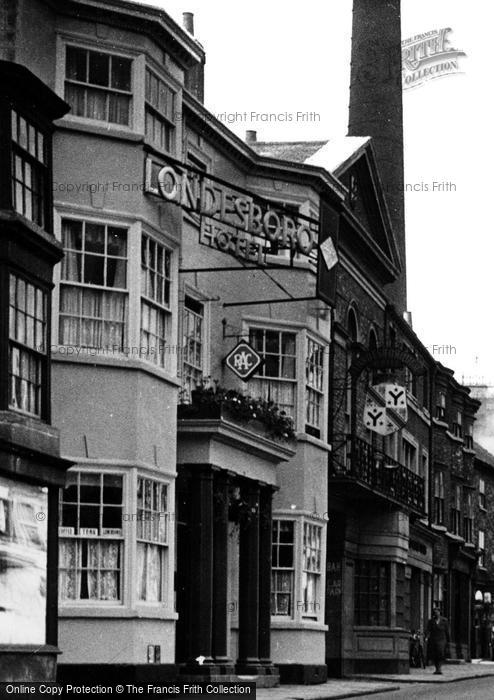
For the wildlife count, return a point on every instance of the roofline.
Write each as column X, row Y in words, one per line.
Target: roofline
column 218, row 130
column 185, row 43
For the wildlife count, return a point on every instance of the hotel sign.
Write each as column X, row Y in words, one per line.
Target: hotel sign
column 234, row 221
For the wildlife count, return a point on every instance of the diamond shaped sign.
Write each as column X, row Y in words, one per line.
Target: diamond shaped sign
column 243, row 360
column 329, row 254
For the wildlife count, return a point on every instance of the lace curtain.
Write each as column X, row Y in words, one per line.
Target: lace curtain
column 149, row 570
column 89, row 569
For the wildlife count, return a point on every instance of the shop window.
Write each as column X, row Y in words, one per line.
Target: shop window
column 91, row 544
column 482, row 493
column 155, row 300
column 98, row 85
column 311, row 570
column 192, row 345
column 438, row 496
column 455, row 524
column 160, row 113
column 372, row 593
column 277, row 378
column 152, row 526
column 93, row 297
column 283, row 568
column 23, row 561
column 29, row 170
column 314, row 388
column 27, row 346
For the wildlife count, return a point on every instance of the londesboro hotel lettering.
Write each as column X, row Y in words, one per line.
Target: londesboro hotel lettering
column 235, row 221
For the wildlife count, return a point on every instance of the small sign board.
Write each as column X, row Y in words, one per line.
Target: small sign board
column 243, row 360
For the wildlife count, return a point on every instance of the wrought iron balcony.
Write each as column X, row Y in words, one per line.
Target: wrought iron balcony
column 385, row 476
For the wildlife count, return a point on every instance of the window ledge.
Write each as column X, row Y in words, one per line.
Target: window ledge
column 305, row 437
column 454, row 437
column 313, row 625
column 440, row 423
column 455, row 538
column 439, row 528
column 72, row 123
column 84, row 610
column 469, row 451
column 483, row 509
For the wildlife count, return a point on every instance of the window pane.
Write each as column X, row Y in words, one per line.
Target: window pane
column 76, row 64
column 95, row 238
column 99, row 67
column 120, row 73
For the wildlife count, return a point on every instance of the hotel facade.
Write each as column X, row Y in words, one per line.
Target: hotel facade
column 210, row 365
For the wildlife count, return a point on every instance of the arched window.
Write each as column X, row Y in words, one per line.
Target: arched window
column 372, row 340
column 352, row 325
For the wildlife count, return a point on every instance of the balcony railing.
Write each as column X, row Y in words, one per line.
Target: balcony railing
column 387, row 476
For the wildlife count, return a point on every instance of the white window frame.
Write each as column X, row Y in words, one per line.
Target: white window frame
column 101, row 221
column 160, row 522
column 196, row 295
column 299, row 615
column 77, row 537
column 129, row 601
column 136, row 79
column 311, row 389
column 302, row 334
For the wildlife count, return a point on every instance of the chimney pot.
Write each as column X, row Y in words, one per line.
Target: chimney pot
column 250, row 136
column 188, row 22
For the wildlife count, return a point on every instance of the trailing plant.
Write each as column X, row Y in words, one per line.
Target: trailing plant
column 210, row 397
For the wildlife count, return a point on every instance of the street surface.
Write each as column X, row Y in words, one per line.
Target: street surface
column 474, row 689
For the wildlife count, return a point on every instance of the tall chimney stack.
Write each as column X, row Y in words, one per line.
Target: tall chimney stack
column 376, row 109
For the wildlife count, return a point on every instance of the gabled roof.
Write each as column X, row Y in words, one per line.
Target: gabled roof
column 337, row 156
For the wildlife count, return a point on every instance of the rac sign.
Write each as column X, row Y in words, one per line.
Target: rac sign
column 243, row 360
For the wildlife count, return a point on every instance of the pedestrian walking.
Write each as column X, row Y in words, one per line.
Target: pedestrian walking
column 437, row 636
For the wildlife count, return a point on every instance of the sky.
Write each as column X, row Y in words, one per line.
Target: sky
column 293, row 59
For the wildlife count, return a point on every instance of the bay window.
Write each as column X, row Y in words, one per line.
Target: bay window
column 93, row 291
column 160, row 113
column 314, row 387
column 277, row 378
column 98, row 85
column 311, row 570
column 29, row 170
column 152, row 526
column 155, row 299
column 192, row 345
column 27, row 346
column 283, row 568
column 91, row 544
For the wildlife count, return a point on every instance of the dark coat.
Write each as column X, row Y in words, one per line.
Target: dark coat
column 437, row 638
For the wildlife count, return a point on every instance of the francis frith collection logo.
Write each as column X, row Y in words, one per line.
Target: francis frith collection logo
column 428, row 56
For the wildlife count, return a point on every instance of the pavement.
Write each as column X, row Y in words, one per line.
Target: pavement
column 371, row 684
